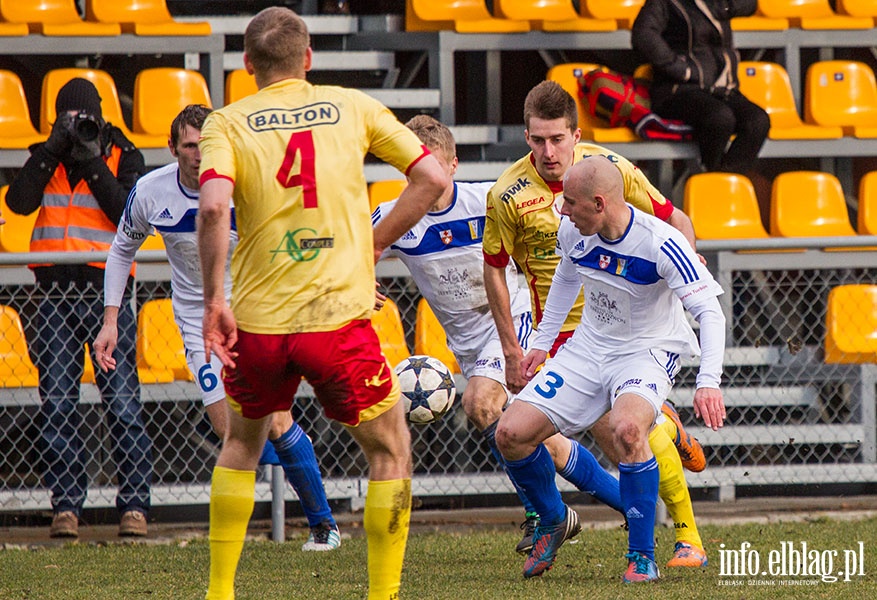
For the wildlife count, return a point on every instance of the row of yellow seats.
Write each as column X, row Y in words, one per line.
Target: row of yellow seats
column 102, row 18
column 840, row 99
column 160, row 354
column 429, row 337
column 159, row 94
column 802, row 204
column 517, row 16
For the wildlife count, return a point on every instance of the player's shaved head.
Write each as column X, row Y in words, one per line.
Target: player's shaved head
column 276, row 42
column 594, row 176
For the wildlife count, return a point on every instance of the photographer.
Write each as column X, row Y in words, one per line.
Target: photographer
column 79, row 180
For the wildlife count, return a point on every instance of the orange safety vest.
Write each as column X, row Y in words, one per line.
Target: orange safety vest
column 72, row 220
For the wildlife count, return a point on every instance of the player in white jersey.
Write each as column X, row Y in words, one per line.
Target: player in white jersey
column 166, row 201
column 638, row 274
column 443, row 253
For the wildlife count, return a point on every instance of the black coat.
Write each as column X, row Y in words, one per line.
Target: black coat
column 684, row 46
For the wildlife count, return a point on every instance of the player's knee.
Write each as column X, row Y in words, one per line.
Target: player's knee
column 480, row 411
column 629, row 438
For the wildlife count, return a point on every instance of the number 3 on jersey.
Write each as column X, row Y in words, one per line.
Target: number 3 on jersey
column 300, row 143
column 552, row 382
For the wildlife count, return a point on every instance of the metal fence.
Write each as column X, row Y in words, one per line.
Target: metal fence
column 792, row 417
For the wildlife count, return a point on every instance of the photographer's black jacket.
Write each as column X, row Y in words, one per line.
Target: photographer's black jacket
column 111, row 192
column 685, row 46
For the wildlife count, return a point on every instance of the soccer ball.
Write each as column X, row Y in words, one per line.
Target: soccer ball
column 428, row 389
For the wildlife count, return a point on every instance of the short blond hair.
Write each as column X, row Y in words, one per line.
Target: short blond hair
column 434, row 134
column 549, row 101
column 276, row 41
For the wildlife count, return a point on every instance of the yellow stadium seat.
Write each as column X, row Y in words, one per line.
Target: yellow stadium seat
column 12, row 29
column 153, row 242
column 851, row 324
column 111, row 107
column 758, row 22
column 723, row 206
column 239, row 84
column 430, row 338
column 16, row 367
column 15, row 233
column 842, row 93
column 142, row 17
column 812, row 14
column 88, row 366
column 161, row 93
column 767, row 85
column 623, row 11
column 808, row 204
column 566, row 74
column 53, row 17
column 161, row 356
column 388, row 325
column 464, row 16
column 384, row 191
column 867, row 219
column 857, row 8
column 16, row 128
column 551, row 15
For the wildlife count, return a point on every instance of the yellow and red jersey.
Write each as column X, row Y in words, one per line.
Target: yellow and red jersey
column 295, row 153
column 523, row 213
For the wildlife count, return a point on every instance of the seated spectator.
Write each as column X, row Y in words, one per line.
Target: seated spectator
column 694, row 61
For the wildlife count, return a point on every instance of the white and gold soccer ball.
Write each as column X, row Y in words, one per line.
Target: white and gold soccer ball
column 428, row 389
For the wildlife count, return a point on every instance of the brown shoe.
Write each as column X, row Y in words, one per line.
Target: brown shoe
column 133, row 523
column 65, row 524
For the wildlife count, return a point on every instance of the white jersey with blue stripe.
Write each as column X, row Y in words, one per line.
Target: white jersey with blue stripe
column 443, row 253
column 635, row 287
column 159, row 202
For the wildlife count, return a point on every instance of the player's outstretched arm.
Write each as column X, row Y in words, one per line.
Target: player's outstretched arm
column 107, row 338
column 498, row 299
column 426, row 182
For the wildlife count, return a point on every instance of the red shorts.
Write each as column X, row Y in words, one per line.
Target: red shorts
column 350, row 375
column 560, row 340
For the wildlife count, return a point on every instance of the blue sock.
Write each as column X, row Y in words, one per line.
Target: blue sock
column 535, row 475
column 583, row 471
column 269, row 455
column 638, row 483
column 490, row 435
column 296, row 454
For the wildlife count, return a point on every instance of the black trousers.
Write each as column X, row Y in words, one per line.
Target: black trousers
column 715, row 118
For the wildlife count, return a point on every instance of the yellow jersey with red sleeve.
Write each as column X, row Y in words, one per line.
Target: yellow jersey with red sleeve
column 295, row 153
column 523, row 214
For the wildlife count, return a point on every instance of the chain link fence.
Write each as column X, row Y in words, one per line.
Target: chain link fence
column 792, row 417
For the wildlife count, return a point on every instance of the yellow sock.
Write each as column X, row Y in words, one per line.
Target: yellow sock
column 386, row 519
column 672, row 487
column 232, row 497
column 670, row 427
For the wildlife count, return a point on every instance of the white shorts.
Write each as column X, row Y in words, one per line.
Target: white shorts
column 207, row 375
column 574, row 391
column 489, row 361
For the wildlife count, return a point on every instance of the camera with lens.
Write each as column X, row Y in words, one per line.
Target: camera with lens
column 85, row 127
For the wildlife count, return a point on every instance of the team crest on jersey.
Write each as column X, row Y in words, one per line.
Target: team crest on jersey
column 447, row 236
column 475, row 229
column 604, row 261
column 621, row 267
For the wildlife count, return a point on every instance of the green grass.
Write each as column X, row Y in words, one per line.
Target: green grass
column 467, row 566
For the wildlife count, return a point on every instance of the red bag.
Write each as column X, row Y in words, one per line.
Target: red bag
column 623, row 101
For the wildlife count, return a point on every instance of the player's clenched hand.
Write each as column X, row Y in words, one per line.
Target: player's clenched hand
column 220, row 333
column 104, row 345
column 709, row 405
column 531, row 362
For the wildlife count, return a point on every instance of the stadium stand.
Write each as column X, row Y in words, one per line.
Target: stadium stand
column 851, row 324
column 463, row 16
column 430, row 338
column 384, row 191
column 15, row 232
column 812, row 14
column 239, row 84
column 723, row 206
column 142, row 17
column 387, row 323
column 16, row 367
column 622, row 11
column 867, row 205
column 808, row 204
column 842, row 93
column 767, row 85
column 54, row 18
column 551, row 15
column 16, row 128
column 161, row 357
column 160, row 94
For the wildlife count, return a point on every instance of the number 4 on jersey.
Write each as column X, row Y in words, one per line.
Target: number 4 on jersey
column 300, row 142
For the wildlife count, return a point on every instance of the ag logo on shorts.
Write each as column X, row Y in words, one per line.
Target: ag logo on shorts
column 300, row 247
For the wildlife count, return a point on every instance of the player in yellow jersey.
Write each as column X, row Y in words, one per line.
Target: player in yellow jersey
column 523, row 213
column 291, row 156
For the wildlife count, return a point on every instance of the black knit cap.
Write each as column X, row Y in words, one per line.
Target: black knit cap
column 78, row 94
